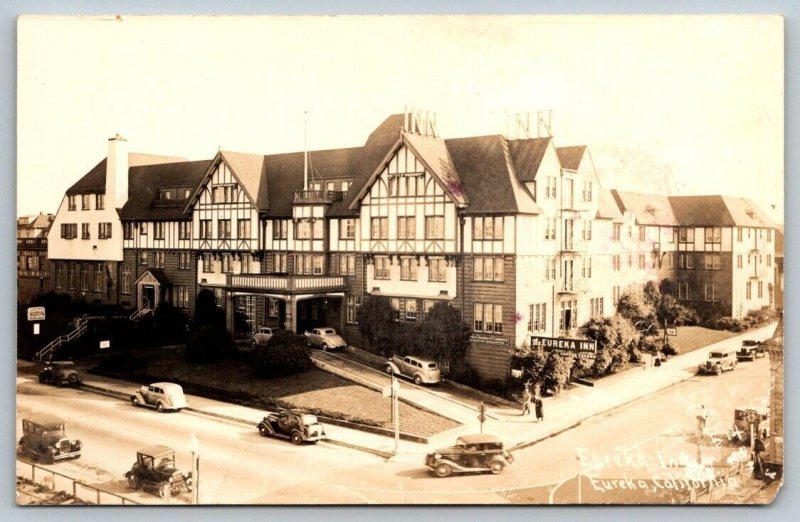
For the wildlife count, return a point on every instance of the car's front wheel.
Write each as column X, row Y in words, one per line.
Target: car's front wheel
column 73, row 379
column 264, row 430
column 160, row 407
column 389, row 369
column 133, row 482
column 417, row 380
column 253, row 343
column 443, row 470
column 297, row 438
column 497, row 466
column 134, row 400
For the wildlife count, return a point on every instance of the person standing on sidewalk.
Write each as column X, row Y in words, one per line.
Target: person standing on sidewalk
column 526, row 400
column 539, row 409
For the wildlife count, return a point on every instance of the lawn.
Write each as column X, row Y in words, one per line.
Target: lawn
column 690, row 338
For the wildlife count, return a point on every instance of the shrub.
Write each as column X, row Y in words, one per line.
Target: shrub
column 557, row 371
column 208, row 338
column 284, row 354
column 671, row 349
column 724, row 323
column 443, row 335
column 376, row 323
column 615, row 337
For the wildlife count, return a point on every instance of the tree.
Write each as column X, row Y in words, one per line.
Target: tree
column 668, row 310
column 616, row 339
column 376, row 322
column 652, row 294
column 284, row 354
column 443, row 335
column 667, row 287
column 636, row 309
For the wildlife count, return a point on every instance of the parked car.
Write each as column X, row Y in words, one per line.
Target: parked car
column 471, row 453
column 59, row 373
column 295, row 425
column 717, row 363
column 750, row 350
column 44, row 439
column 325, row 338
column 155, row 471
column 421, row 370
column 261, row 336
column 161, row 396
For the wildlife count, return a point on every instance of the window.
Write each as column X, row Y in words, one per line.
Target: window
column 616, row 293
column 685, row 261
column 85, row 234
column 69, row 230
column 568, row 317
column 537, row 321
column 587, row 267
column 86, row 202
column 408, row 268
column 670, row 233
column 587, row 230
column 243, row 229
column 225, row 193
column 739, row 234
column 71, row 277
column 739, row 261
column 670, row 260
column 587, row 191
column 317, row 225
column 158, row 230
column 158, row 259
column 353, row 306
column 411, row 309
column 273, row 307
column 185, row 230
column 347, row 264
column 227, row 263
column 142, row 229
column 279, row 263
column 71, row 203
column 125, row 287
column 478, row 313
column 615, row 262
column 550, row 269
column 308, row 264
column 642, row 233
column 437, row 269
column 617, row 234
column 397, row 304
column 381, row 267
column 59, row 276
column 98, row 277
column 769, row 259
column 181, row 294
column 184, row 259
column 104, row 230
column 208, row 263
column 710, row 292
column 550, row 188
column 760, row 289
column 488, row 269
column 224, row 228
column 434, row 227
column 769, row 235
column 100, row 201
column 379, row 228
column 347, row 229
column 406, row 228
column 712, row 261
column 127, row 230
column 488, row 318
column 630, row 231
column 683, row 290
column 166, row 194
column 686, row 235
column 485, row 228
column 279, row 229
column 205, row 229
column 642, row 262
column 84, row 277
column 713, row 235
column 550, row 228
column 302, row 229
column 597, row 307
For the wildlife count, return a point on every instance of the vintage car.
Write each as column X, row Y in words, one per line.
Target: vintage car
column 261, row 336
column 471, row 453
column 750, row 350
column 717, row 363
column 60, row 372
column 295, row 425
column 421, row 370
column 161, row 396
column 44, row 439
column 324, row 338
column 155, row 471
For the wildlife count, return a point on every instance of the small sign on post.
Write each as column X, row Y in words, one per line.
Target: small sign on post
column 672, row 331
column 482, row 415
column 36, row 313
column 36, row 328
column 105, row 344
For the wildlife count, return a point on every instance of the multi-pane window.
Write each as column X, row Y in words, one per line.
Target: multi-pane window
column 104, row 230
column 59, row 276
column 184, row 260
column 125, row 286
column 71, row 277
column 616, row 294
column 205, row 229
column 411, row 309
column 381, row 267
column 158, row 230
column 224, row 228
column 247, row 262
column 550, row 187
column 642, row 261
column 279, row 263
column 615, row 262
column 739, row 260
column 760, row 289
column 437, row 269
column 568, row 319
column 488, row 318
column 596, row 306
column 488, row 269
column 685, row 235
column 408, row 268
column 434, row 227
column 537, row 321
column 769, row 235
column 487, row 228
column 85, row 234
column 587, row 267
column 713, row 235
column 308, row 264
column 208, row 263
column 227, row 263
column 685, row 261
column 302, row 229
column 98, row 277
column 406, row 227
column 84, row 277
column 317, row 228
column 69, row 230
column 347, row 264
column 617, row 231
column 100, row 201
column 587, row 230
column 748, row 290
column 353, row 306
column 272, row 307
column 243, row 229
column 550, row 265
column 396, row 308
column 158, row 259
column 710, row 292
column 739, row 234
column 225, row 193
column 713, row 261
column 71, row 202
column 550, row 228
column 347, row 229
column 86, row 202
column 280, row 229
column 185, row 230
column 683, row 290
column 587, row 191
column 127, row 230
column 181, row 296
column 142, row 229
column 379, row 228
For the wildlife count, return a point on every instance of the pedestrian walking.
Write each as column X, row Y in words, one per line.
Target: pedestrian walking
column 526, row 401
column 539, row 409
column 702, row 419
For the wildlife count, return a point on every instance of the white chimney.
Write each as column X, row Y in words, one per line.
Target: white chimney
column 117, row 172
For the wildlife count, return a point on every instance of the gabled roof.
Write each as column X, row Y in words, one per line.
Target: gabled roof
column 527, row 156
column 720, row 211
column 648, row 209
column 388, row 132
column 157, row 274
column 570, row 157
column 249, row 170
column 94, row 181
column 434, row 154
column 486, row 169
column 607, row 207
column 144, row 183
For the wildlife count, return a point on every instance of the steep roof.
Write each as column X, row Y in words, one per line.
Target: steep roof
column 487, row 174
column 434, row 154
column 144, row 183
column 649, row 209
column 607, row 207
column 388, row 132
column 94, row 181
column 570, row 157
column 249, row 170
column 527, row 156
column 718, row 211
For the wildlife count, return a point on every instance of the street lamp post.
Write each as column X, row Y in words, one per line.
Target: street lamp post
column 194, row 447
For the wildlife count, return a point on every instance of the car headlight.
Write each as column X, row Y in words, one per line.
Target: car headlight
column 437, row 456
column 171, row 480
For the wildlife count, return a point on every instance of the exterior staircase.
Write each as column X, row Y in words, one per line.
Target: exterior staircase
column 81, row 325
column 139, row 313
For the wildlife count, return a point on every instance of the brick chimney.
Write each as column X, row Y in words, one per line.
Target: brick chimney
column 117, row 172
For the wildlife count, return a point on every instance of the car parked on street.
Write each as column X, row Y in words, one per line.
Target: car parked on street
column 155, row 471
column 295, row 425
column 59, row 373
column 261, row 336
column 416, row 368
column 717, row 363
column 470, row 454
column 161, row 396
column 44, row 439
column 750, row 350
column 325, row 338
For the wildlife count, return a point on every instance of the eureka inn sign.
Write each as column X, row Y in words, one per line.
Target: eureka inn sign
column 560, row 344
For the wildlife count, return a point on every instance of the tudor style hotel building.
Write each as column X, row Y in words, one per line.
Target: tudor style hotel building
column 515, row 233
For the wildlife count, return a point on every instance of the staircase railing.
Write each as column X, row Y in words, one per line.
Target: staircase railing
column 135, row 316
column 81, row 325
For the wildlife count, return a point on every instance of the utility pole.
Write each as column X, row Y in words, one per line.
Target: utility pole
column 482, row 414
column 396, row 412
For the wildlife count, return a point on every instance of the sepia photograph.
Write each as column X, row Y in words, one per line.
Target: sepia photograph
column 399, row 260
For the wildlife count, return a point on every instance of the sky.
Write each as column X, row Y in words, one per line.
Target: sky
column 666, row 104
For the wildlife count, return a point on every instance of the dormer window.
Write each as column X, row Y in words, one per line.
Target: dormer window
column 86, row 202
column 227, row 193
